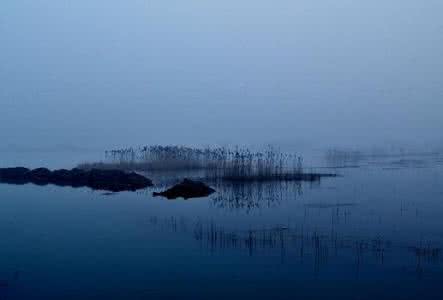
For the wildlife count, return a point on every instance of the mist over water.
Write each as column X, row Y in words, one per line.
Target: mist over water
column 99, row 74
column 333, row 191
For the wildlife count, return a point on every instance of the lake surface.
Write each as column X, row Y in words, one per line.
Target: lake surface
column 376, row 232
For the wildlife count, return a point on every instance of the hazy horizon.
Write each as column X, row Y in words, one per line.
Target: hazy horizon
column 99, row 74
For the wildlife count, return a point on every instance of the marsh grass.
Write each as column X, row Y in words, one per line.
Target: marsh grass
column 237, row 164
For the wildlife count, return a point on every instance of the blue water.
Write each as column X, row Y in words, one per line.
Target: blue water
column 376, row 232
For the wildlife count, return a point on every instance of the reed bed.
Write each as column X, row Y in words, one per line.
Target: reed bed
column 232, row 164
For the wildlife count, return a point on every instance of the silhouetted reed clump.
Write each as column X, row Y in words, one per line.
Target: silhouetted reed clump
column 242, row 164
column 238, row 164
column 155, row 158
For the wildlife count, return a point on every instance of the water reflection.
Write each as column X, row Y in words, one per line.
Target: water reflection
column 316, row 250
column 7, row 283
column 243, row 196
column 249, row 196
column 351, row 233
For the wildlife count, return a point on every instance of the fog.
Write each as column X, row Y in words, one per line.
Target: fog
column 99, row 74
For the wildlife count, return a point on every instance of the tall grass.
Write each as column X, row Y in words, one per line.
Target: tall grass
column 218, row 162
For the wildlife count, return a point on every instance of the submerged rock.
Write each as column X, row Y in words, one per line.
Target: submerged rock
column 187, row 189
column 110, row 180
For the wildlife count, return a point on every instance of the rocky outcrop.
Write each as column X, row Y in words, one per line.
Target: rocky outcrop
column 13, row 175
column 110, row 180
column 187, row 189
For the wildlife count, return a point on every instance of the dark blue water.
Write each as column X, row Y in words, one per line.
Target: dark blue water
column 374, row 233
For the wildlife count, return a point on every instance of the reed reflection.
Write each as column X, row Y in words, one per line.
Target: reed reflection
column 313, row 249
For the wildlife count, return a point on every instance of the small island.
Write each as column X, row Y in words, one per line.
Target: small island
column 122, row 170
column 187, row 189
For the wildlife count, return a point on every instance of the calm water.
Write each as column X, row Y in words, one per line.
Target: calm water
column 374, row 233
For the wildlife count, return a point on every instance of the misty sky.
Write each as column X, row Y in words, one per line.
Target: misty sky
column 104, row 73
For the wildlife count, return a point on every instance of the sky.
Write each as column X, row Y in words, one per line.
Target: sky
column 101, row 74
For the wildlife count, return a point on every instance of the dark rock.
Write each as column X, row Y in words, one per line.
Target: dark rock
column 187, row 189
column 115, row 180
column 79, row 177
column 111, row 180
column 13, row 175
column 62, row 177
column 39, row 176
column 137, row 180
